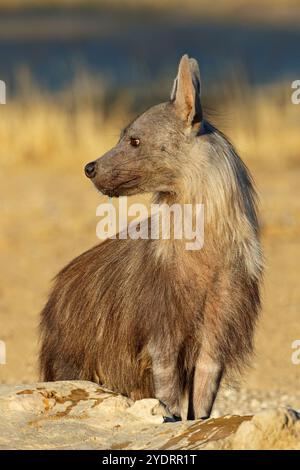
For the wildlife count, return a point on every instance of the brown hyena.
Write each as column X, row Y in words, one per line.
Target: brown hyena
column 146, row 317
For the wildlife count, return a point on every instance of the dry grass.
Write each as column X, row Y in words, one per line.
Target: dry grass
column 263, row 123
column 55, row 130
column 75, row 126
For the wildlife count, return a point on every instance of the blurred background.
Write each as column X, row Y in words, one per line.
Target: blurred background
column 76, row 72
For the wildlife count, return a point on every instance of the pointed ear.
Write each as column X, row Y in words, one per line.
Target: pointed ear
column 186, row 91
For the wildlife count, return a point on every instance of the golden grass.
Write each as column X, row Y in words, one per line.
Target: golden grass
column 54, row 130
column 73, row 127
column 263, row 124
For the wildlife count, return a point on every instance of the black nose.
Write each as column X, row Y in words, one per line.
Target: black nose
column 90, row 169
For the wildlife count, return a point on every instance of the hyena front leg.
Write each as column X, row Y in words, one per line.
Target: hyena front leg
column 166, row 378
column 207, row 378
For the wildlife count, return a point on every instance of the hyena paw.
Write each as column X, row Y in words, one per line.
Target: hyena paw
column 172, row 413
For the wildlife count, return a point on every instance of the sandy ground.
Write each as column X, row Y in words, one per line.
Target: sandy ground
column 49, row 217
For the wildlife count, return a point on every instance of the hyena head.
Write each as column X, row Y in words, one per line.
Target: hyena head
column 152, row 151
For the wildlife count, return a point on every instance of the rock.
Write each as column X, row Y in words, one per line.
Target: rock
column 271, row 429
column 82, row 415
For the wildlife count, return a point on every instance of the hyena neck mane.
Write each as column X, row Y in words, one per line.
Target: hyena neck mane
column 215, row 176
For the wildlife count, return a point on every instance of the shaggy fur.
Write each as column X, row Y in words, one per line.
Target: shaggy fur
column 147, row 318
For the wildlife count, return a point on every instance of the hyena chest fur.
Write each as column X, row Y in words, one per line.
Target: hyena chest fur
column 156, row 305
column 117, row 304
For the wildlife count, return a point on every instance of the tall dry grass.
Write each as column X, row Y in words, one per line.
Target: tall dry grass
column 42, row 129
column 74, row 126
column 262, row 122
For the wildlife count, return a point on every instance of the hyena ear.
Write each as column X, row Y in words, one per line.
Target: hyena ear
column 186, row 92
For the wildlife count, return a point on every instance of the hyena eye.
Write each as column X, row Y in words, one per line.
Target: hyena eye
column 134, row 141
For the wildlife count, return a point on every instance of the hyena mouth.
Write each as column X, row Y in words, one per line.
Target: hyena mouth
column 121, row 188
column 109, row 192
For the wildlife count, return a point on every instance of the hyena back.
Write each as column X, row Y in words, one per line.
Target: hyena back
column 148, row 318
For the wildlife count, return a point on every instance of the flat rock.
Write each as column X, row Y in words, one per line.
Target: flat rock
column 82, row 415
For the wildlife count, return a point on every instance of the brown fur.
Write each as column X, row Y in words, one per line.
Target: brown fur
column 148, row 318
